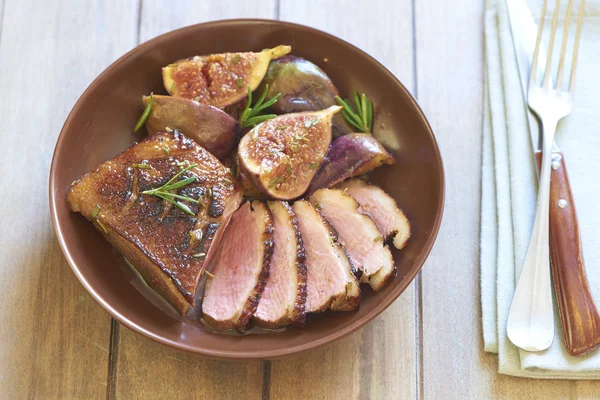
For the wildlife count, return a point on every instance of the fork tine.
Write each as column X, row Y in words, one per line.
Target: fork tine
column 538, row 40
column 561, row 62
column 576, row 46
column 546, row 82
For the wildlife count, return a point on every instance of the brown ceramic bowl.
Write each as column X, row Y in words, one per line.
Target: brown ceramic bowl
column 101, row 124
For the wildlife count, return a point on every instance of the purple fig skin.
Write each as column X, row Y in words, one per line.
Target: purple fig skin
column 350, row 155
column 303, row 87
column 208, row 126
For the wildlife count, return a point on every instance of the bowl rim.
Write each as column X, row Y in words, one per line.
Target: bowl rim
column 253, row 354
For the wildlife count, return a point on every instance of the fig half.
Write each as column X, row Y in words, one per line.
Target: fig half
column 303, row 87
column 208, row 126
column 350, row 155
column 219, row 79
column 281, row 155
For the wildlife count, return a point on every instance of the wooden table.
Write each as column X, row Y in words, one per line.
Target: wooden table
column 56, row 342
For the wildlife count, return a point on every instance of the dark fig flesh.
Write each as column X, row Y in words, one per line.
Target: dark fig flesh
column 208, row 126
column 303, row 87
column 348, row 156
column 281, row 155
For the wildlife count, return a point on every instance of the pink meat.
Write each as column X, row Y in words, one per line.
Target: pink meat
column 330, row 282
column 380, row 206
column 283, row 300
column 240, row 269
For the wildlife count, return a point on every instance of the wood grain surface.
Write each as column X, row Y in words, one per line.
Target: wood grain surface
column 57, row 343
column 578, row 313
column 54, row 339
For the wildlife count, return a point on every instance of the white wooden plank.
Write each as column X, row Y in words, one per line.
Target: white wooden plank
column 160, row 16
column 54, row 337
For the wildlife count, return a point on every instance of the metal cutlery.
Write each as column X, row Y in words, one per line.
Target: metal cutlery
column 531, row 319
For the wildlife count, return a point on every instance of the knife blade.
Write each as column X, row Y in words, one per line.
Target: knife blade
column 578, row 313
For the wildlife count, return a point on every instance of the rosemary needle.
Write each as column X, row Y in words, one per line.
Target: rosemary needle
column 361, row 115
column 251, row 115
column 145, row 114
column 164, row 192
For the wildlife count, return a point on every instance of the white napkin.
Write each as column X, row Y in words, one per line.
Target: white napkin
column 509, row 190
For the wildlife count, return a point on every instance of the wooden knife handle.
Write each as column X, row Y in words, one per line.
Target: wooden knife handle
column 578, row 313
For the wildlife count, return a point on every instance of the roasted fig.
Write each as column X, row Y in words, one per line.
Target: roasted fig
column 250, row 191
column 281, row 155
column 349, row 156
column 303, row 87
column 208, row 126
column 219, row 79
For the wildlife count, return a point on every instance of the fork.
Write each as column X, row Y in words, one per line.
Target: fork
column 531, row 317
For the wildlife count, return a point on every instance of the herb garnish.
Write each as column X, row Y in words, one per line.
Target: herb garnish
column 239, row 82
column 145, row 114
column 361, row 115
column 313, row 165
column 250, row 116
column 275, row 181
column 199, row 255
column 96, row 211
column 101, row 225
column 165, row 150
column 164, row 192
column 235, row 59
column 378, row 238
column 141, row 166
column 310, row 123
column 210, row 275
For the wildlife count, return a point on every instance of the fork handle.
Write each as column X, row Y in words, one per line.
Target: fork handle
column 578, row 313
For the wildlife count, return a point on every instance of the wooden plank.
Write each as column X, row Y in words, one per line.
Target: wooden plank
column 586, row 390
column 54, row 337
column 160, row 16
column 379, row 360
column 449, row 52
column 142, row 368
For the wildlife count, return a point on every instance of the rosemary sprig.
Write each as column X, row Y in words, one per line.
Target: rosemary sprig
column 361, row 115
column 251, row 114
column 145, row 114
column 165, row 191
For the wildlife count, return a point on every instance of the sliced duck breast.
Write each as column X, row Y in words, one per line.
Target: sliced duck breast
column 380, row 206
column 359, row 235
column 331, row 283
column 283, row 300
column 240, row 268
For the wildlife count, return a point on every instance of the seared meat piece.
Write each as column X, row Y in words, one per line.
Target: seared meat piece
column 240, row 268
column 390, row 220
column 284, row 298
column 165, row 244
column 331, row 283
column 359, row 235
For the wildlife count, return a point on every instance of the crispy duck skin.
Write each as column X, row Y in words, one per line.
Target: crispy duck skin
column 240, row 269
column 284, row 298
column 331, row 283
column 167, row 246
column 359, row 235
column 380, row 206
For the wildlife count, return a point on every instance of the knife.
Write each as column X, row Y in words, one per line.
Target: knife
column 578, row 313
